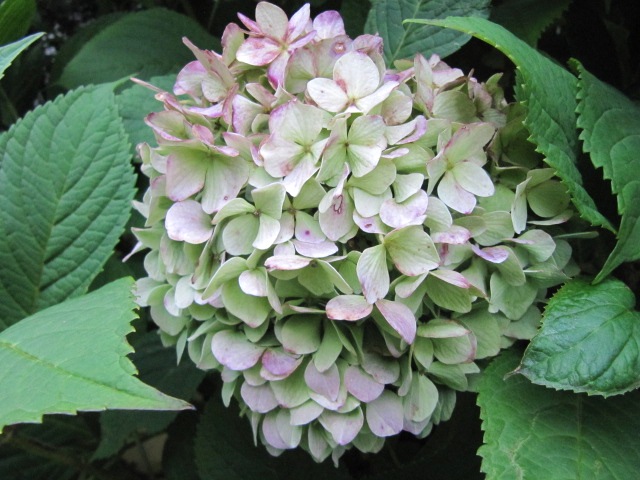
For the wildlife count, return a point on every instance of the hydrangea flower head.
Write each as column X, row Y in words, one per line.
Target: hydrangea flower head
column 340, row 240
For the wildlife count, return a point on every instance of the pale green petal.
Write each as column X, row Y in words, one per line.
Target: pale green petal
column 373, row 273
column 348, row 307
column 358, row 73
column 474, row 179
column 268, row 231
column 238, row 235
column 412, row 250
column 269, row 199
column 253, row 311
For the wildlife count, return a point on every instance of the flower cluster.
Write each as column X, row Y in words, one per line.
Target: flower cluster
column 342, row 241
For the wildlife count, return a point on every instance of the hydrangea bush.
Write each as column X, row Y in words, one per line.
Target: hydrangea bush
column 341, row 240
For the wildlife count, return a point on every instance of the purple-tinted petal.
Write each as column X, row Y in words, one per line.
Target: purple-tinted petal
column 491, row 254
column 279, row 362
column 258, row 51
column 362, row 385
column 233, row 350
column 400, row 317
column 325, row 383
column 186, row 222
column 385, row 415
column 328, row 24
column 259, row 398
column 344, row 427
column 315, row 250
column 272, row 20
column 348, row 307
column 286, row 262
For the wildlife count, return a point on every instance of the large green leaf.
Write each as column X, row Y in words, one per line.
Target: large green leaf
column 72, row 357
column 610, row 124
column 549, row 92
column 589, row 340
column 532, row 432
column 404, row 41
column 8, row 53
column 224, row 448
column 144, row 43
column 136, row 102
column 66, row 183
column 157, row 367
column 528, row 19
column 15, row 19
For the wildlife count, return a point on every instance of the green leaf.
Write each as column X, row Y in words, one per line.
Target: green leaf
column 15, row 19
column 528, row 19
column 404, row 41
column 589, row 340
column 549, row 92
column 156, row 34
column 610, row 124
column 8, row 53
column 72, row 357
column 533, row 432
column 157, row 367
column 224, row 448
column 136, row 102
column 67, row 185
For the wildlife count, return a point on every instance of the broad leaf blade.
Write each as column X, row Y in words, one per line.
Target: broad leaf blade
column 156, row 34
column 157, row 367
column 8, row 53
column 549, row 92
column 15, row 19
column 72, row 357
column 533, row 432
column 528, row 19
column 610, row 124
column 589, row 340
column 67, row 184
column 404, row 41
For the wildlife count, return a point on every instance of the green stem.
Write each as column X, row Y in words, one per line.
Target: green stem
column 214, row 10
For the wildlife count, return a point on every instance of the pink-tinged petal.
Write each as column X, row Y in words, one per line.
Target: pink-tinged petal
column 473, row 178
column 410, row 212
column 468, row 139
column 286, row 262
column 302, row 172
column 383, row 369
column 186, row 222
column 385, row 415
column 325, row 383
column 280, row 156
column 370, row 224
column 363, row 158
column 455, row 235
column 328, row 24
column 305, row 413
column 395, row 153
column 278, row 431
column 299, row 22
column 420, row 127
column 168, row 125
column 491, row 254
column 454, row 196
column 378, row 96
column 358, row 73
column 272, row 20
column 254, row 282
column 308, row 229
column 276, row 70
column 315, row 250
column 258, row 51
column 250, row 24
column 362, row 385
column 337, row 220
column 373, row 273
column 343, row 427
column 189, row 80
column 327, row 94
column 348, row 307
column 301, row 42
column 244, row 112
column 280, row 363
column 454, row 278
column 261, row 94
column 185, row 176
column 233, row 350
column 259, row 398
column 400, row 317
column 412, row 250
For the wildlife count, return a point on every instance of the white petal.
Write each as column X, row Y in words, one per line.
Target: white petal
column 186, row 222
column 358, row 73
column 327, row 94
